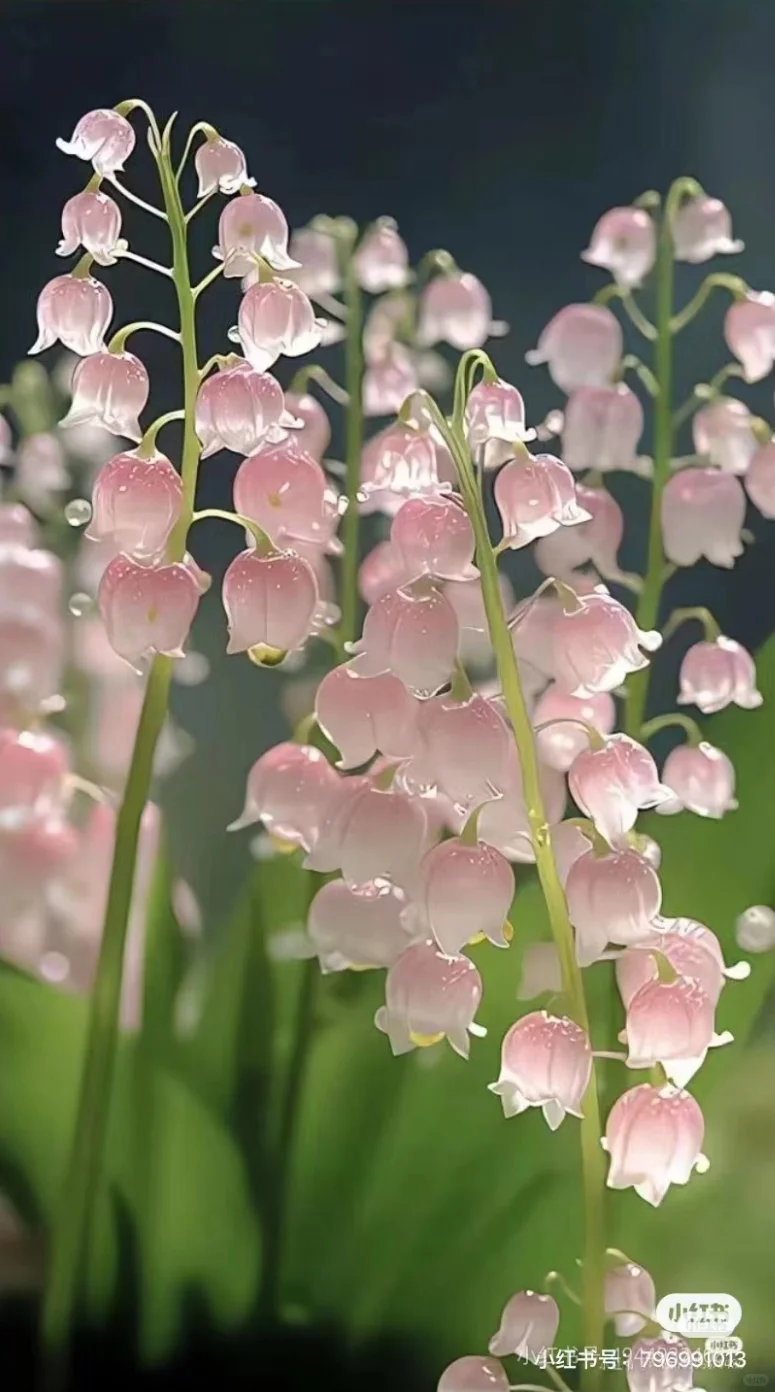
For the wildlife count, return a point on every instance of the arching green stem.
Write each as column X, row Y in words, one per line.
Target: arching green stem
column 667, row 722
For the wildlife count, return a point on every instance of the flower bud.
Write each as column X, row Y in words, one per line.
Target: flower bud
column 454, row 309
column 381, row 261
column 270, row 603
column 284, row 490
column 723, row 432
column 535, row 495
column 317, row 262
column 428, row 997
column 703, row 513
column 388, row 381
column 581, row 345
column 220, row 165
column 495, row 411
column 660, row 1365
column 465, row 749
column 717, row 674
column 702, row 228
column 33, row 766
column 562, row 739
column 624, row 242
column 596, row 541
column 464, row 892
column 670, row 1023
column 364, row 716
column 238, row 408
column 147, row 609
column 654, row 1139
column 474, row 1374
column 76, row 310
column 628, row 1289
column 359, row 926
column 528, row 1326
column 601, row 429
column 412, row 632
column 611, row 899
column 289, row 790
column 109, row 389
column 103, row 137
column 702, row 780
column 610, row 785
column 749, row 332
column 433, row 536
column 136, row 502
column 370, row 834
column 546, row 1061
column 759, row 482
column 92, row 220
column 250, row 226
column 597, row 645
column 276, row 318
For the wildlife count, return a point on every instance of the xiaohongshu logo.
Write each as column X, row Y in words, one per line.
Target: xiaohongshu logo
column 697, row 1315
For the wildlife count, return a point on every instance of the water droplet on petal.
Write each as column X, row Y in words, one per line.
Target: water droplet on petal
column 78, row 512
column 755, row 929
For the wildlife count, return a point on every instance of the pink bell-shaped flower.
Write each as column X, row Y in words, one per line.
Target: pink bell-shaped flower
column 759, row 481
column 654, row 1139
column 629, row 1289
column 382, row 261
column 568, row 844
column 535, row 494
column 31, row 579
column 660, row 1365
column 703, row 513
column 33, row 767
column 104, row 137
column 433, row 536
column 317, row 262
column 412, row 632
column 465, row 596
column 31, row 659
column 381, row 570
column 359, row 926
column 284, row 490
column 147, row 609
column 718, row 674
column 251, row 226
column 17, row 525
column 454, row 309
column 598, row 644
column 465, row 749
column 92, row 220
column 505, row 823
column 76, row 311
column 596, row 541
column 670, row 1023
column 582, row 346
column 495, row 411
column 692, row 950
column 427, row 997
column 702, row 228
column 289, row 790
column 364, row 716
column 370, row 834
column 474, row 1374
column 546, row 1062
column 623, row 242
column 528, row 1326
column 532, row 635
column 276, row 318
column 465, row 891
column 220, row 165
column 402, row 461
column 109, row 389
column 136, row 502
column 702, row 780
column 611, row 899
column 270, row 603
column 601, row 429
column 749, row 332
column 314, row 436
column 238, row 408
column 723, row 432
column 388, row 381
column 32, row 857
column 610, row 785
column 560, row 712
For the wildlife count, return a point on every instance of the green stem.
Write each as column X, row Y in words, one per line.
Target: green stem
column 647, row 611
column 593, row 1168
column 667, row 722
column 354, row 445
column 71, row 1226
column 718, row 280
column 685, row 615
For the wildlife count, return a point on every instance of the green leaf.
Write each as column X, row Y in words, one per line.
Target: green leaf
column 169, row 1161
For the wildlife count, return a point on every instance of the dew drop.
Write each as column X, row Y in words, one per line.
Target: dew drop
column 80, row 604
column 78, row 512
column 755, row 929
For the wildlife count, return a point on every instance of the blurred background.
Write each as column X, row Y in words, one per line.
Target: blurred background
column 500, row 129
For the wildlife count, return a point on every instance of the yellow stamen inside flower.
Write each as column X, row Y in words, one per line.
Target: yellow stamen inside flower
column 264, row 656
column 283, row 847
column 424, row 1041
